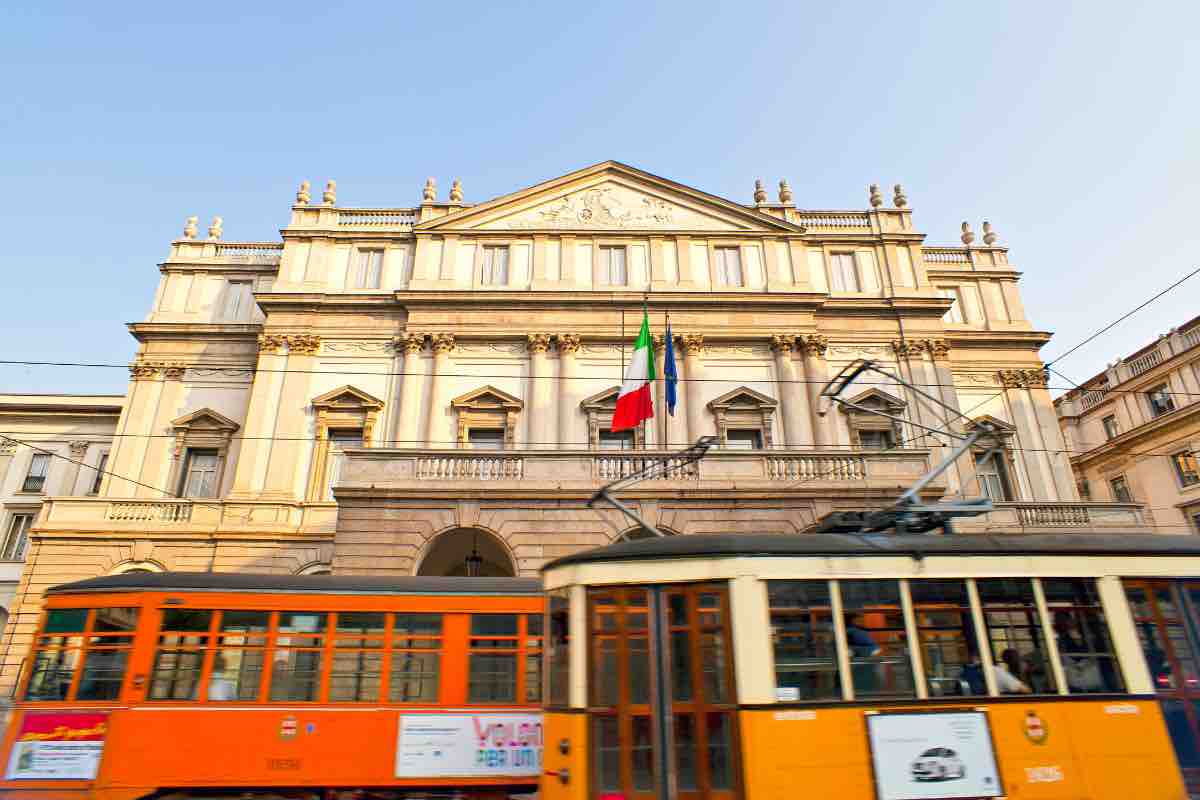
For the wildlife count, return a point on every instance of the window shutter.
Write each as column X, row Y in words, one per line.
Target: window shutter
column 868, row 274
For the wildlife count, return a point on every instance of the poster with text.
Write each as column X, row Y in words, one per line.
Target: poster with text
column 474, row 745
column 938, row 756
column 57, row 746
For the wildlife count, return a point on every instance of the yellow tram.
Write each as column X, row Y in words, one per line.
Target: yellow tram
column 862, row 666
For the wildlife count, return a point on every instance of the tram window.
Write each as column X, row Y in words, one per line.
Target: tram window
column 356, row 671
column 533, row 658
column 53, row 669
column 558, row 658
column 1161, row 631
column 605, row 640
column 1081, row 631
column 100, row 655
column 879, row 657
column 182, row 642
column 492, row 668
column 238, row 662
column 416, row 658
column 806, row 665
column 946, row 633
column 1015, row 635
column 296, row 658
column 606, row 735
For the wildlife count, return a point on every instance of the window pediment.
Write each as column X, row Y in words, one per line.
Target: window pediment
column 742, row 399
column 999, row 427
column 487, row 398
column 601, row 401
column 347, row 398
column 876, row 400
column 205, row 420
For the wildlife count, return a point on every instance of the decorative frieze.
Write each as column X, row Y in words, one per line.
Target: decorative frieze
column 1024, row 378
column 364, row 346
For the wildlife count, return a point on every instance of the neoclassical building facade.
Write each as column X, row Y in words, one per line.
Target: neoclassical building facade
column 428, row 390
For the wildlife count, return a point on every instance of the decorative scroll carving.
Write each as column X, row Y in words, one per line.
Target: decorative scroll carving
column 303, row 344
column 270, row 343
column 1024, row 378
column 851, row 351
column 537, row 342
column 568, row 343
column 443, row 343
column 693, row 344
column 368, row 346
column 726, row 350
column 814, row 345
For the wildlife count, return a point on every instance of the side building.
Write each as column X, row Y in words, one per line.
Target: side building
column 428, row 389
column 1133, row 431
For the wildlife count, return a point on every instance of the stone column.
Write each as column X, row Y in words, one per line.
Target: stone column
column 951, row 419
column 408, row 414
column 793, row 397
column 693, row 388
column 658, row 430
column 568, row 346
column 816, row 374
column 1019, row 385
column 250, row 473
column 291, row 451
column 7, row 451
column 539, row 414
column 912, row 369
column 78, row 451
column 438, row 430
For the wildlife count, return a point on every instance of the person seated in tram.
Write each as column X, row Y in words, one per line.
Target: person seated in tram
column 1006, row 670
column 1082, row 672
column 862, row 647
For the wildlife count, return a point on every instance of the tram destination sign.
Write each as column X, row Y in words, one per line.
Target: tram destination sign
column 940, row 755
column 469, row 745
column 54, row 746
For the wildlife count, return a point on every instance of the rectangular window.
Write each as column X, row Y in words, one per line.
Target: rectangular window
column 492, row 673
column 416, row 658
column 843, row 273
column 1120, row 490
column 495, row 266
column 743, row 439
column 1161, row 626
column 35, row 479
column 954, row 314
column 339, row 440
column 946, row 634
column 619, row 440
column 239, row 297
column 876, row 440
column 1020, row 659
column 238, row 662
column 533, row 658
column 558, row 647
column 16, row 538
column 100, row 467
column 90, row 647
column 1085, row 489
column 880, row 666
column 182, row 643
column 612, row 266
column 1185, row 468
column 356, row 673
column 296, row 657
column 1111, row 431
column 729, row 267
column 200, row 473
column 806, row 664
column 993, row 477
column 1160, row 400
column 485, row 438
column 1084, row 646
column 368, row 269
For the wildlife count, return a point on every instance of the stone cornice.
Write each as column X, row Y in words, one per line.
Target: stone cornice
column 145, row 331
column 1117, row 445
column 992, row 340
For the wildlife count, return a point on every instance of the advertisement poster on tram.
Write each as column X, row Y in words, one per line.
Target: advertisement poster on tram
column 54, row 746
column 474, row 745
column 943, row 755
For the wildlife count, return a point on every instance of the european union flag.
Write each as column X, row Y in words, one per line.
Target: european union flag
column 670, row 374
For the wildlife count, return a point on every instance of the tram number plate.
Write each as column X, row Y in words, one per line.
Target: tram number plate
column 283, row 764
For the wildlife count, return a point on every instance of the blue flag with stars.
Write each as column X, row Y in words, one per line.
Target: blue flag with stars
column 670, row 374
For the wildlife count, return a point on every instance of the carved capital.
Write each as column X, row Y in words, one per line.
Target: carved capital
column 568, row 343
column 1023, row 378
column 7, row 448
column 303, row 344
column 537, row 342
column 173, row 372
column 814, row 345
column 443, row 343
column 783, row 343
column 908, row 348
column 270, row 343
column 409, row 343
column 939, row 349
column 78, row 449
column 141, row 371
column 693, row 344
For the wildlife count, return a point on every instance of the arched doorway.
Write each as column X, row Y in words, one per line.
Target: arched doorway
column 463, row 552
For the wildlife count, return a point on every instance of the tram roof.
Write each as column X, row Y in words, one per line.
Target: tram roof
column 729, row 545
column 301, row 584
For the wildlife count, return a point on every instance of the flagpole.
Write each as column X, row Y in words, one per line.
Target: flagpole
column 646, row 316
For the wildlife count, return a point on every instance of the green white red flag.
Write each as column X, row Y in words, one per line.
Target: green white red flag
column 635, row 403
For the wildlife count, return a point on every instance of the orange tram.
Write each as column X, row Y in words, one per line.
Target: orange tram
column 706, row 667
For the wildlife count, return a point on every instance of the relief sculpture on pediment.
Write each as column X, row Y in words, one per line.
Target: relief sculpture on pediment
column 609, row 207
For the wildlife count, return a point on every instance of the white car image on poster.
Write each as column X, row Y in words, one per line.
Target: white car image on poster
column 936, row 756
column 469, row 745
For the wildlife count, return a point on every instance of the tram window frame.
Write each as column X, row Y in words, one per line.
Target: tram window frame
column 782, row 608
column 865, row 667
column 498, row 647
column 556, row 646
column 305, row 656
column 1000, row 607
column 364, row 644
column 1086, row 614
column 180, row 638
column 97, row 657
column 248, row 640
column 933, row 603
column 416, row 640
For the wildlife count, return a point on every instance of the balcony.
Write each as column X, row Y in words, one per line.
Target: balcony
column 1055, row 517
column 83, row 514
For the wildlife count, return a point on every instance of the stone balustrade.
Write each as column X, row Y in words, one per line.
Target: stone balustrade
column 216, row 253
column 380, row 218
column 1145, row 362
column 469, row 468
column 835, row 221
column 946, row 255
column 1051, row 517
column 152, row 511
column 191, row 516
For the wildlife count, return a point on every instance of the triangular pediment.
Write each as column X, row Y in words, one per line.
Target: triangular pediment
column 487, row 397
column 997, row 424
column 877, row 398
column 206, row 419
column 347, row 397
column 743, row 397
column 610, row 197
column 601, row 401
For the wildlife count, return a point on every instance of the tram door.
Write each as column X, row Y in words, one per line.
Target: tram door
column 661, row 703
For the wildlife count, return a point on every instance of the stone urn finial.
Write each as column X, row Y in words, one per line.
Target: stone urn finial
column 876, row 197
column 189, row 228
column 456, row 194
column 989, row 235
column 785, row 191
column 760, row 193
column 430, row 193
column 899, row 198
column 330, row 196
column 968, row 235
column 214, row 230
column 304, row 195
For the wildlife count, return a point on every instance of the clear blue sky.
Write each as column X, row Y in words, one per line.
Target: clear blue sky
column 1073, row 127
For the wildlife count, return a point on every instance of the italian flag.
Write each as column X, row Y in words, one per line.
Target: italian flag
column 634, row 404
